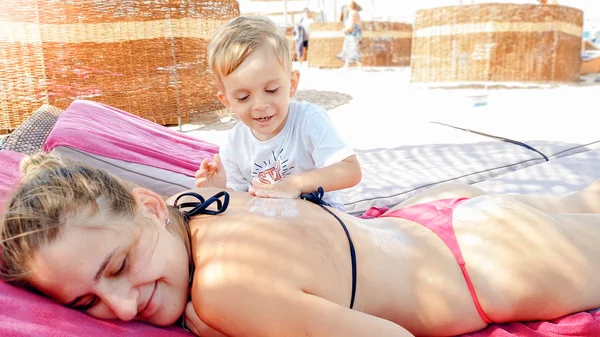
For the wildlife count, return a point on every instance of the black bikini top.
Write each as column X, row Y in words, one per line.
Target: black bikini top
column 200, row 207
column 316, row 197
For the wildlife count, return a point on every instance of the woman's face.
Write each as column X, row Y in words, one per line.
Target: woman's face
column 116, row 270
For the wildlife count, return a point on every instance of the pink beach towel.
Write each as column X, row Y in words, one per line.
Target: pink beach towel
column 583, row 324
column 106, row 131
column 26, row 314
column 9, row 162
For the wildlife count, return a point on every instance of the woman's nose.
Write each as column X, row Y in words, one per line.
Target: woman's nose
column 122, row 300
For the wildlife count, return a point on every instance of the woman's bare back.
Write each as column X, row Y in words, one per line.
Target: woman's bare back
column 405, row 274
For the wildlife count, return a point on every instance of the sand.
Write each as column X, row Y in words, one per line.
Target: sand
column 379, row 107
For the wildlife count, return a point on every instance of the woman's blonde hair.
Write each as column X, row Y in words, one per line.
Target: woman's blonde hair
column 233, row 42
column 52, row 192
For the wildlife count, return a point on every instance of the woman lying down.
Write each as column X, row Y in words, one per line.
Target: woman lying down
column 449, row 261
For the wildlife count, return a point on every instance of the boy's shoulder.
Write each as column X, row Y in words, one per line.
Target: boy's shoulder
column 305, row 109
column 308, row 117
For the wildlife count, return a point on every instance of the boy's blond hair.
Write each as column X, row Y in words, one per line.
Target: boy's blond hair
column 240, row 37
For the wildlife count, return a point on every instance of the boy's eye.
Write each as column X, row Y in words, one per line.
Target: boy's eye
column 241, row 99
column 272, row 91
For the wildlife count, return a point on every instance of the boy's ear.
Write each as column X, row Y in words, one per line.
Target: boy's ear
column 151, row 203
column 294, row 80
column 223, row 99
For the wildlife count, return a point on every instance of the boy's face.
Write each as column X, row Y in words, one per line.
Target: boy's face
column 259, row 92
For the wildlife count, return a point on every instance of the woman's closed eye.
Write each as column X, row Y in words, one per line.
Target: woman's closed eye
column 122, row 268
column 94, row 299
column 88, row 305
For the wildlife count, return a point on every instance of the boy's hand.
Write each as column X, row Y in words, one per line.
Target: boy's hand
column 211, row 174
column 195, row 325
column 283, row 189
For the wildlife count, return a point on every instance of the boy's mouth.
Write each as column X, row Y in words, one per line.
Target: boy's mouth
column 263, row 119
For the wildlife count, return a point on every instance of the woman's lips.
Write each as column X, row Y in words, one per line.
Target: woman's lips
column 148, row 308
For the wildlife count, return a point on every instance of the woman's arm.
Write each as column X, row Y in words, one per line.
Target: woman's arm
column 279, row 310
column 196, row 326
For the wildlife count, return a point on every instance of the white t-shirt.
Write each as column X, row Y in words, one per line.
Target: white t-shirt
column 307, row 141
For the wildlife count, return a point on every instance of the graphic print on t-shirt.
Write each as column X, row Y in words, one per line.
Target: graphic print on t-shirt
column 272, row 169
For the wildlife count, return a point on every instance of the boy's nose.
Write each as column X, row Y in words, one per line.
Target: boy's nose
column 259, row 104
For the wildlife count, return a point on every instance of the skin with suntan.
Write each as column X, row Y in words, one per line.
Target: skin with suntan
column 281, row 267
column 526, row 263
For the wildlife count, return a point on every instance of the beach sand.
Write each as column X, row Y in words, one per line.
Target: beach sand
column 386, row 110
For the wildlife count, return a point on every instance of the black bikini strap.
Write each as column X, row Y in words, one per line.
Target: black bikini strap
column 201, row 206
column 317, row 198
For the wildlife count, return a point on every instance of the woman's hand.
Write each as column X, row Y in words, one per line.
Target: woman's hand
column 211, row 174
column 193, row 323
column 284, row 189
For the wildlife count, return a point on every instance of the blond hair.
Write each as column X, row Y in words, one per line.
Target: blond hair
column 240, row 37
column 51, row 192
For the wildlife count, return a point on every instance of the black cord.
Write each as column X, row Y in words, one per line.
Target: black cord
column 504, row 139
column 316, row 197
column 201, row 206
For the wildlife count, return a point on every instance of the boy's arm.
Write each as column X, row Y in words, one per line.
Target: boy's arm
column 336, row 164
column 211, row 174
column 224, row 172
column 344, row 174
